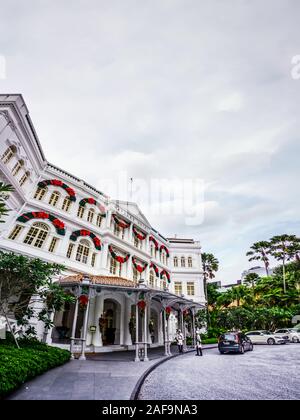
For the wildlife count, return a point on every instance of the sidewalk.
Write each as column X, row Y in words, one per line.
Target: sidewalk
column 111, row 376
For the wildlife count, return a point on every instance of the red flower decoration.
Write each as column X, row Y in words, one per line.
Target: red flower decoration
column 91, row 201
column 83, row 300
column 84, row 232
column 120, row 259
column 168, row 310
column 142, row 304
column 42, row 215
column 70, row 191
column 56, row 182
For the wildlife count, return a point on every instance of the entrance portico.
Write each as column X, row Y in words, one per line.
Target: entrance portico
column 118, row 314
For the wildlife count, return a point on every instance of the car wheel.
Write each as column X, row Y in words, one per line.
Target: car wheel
column 241, row 350
column 251, row 347
column 221, row 352
column 295, row 340
column 271, row 341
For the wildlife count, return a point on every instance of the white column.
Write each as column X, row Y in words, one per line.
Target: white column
column 137, row 358
column 160, row 328
column 146, row 333
column 165, row 333
column 74, row 328
column 89, row 336
column 98, row 310
column 85, row 321
column 104, row 254
column 129, row 273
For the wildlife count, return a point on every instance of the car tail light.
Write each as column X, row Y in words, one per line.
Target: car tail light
column 236, row 339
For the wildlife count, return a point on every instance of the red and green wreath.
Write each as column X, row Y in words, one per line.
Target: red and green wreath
column 168, row 311
column 138, row 267
column 83, row 301
column 141, row 236
column 152, row 239
column 58, row 224
column 152, row 265
column 142, row 303
column 163, row 247
column 185, row 314
column 117, row 257
column 120, row 222
column 165, row 273
column 91, row 200
column 84, row 232
column 58, row 183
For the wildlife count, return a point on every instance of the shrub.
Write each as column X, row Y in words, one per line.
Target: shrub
column 210, row 341
column 20, row 365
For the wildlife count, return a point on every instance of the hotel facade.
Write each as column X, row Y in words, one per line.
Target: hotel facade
column 133, row 286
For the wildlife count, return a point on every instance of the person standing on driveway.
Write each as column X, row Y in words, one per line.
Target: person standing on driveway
column 198, row 344
column 179, row 340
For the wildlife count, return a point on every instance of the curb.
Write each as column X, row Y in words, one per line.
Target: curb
column 137, row 389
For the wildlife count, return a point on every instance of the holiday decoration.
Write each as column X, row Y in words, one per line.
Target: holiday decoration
column 84, row 201
column 139, row 268
column 165, row 273
column 83, row 301
column 142, row 305
column 185, row 314
column 152, row 239
column 141, row 236
column 58, row 183
column 168, row 311
column 116, row 257
column 120, row 222
column 163, row 247
column 152, row 265
column 84, row 232
column 58, row 224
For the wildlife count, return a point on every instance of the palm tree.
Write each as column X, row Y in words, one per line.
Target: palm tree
column 259, row 251
column 284, row 248
column 4, row 192
column 210, row 265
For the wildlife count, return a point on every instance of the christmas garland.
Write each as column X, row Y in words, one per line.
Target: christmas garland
column 121, row 223
column 58, row 183
column 163, row 247
column 152, row 239
column 142, row 303
column 141, row 236
column 83, row 301
column 83, row 202
column 84, row 232
column 58, row 224
column 116, row 257
column 139, row 268
column 152, row 265
column 165, row 273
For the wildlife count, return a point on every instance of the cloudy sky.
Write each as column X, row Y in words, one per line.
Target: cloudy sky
column 169, row 90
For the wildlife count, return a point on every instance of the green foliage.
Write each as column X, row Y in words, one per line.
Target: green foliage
column 21, row 278
column 4, row 193
column 20, row 365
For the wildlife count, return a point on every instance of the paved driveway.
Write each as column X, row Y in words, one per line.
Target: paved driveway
column 269, row 372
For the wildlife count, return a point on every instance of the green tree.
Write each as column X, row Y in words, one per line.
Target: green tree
column 4, row 193
column 251, row 279
column 210, row 265
column 259, row 251
column 24, row 280
column 283, row 248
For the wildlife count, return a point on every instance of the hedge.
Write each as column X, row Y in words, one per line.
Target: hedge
column 20, row 365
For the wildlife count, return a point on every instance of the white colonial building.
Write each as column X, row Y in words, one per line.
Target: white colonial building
column 133, row 285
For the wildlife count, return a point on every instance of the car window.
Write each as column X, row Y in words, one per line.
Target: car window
column 253, row 333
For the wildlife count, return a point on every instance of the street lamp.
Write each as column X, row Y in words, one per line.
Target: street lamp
column 85, row 283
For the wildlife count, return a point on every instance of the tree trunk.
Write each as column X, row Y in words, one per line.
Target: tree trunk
column 11, row 331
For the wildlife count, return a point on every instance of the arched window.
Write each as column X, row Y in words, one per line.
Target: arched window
column 40, row 193
column 8, row 154
column 83, row 251
column 163, row 283
column 54, row 198
column 24, row 179
column 99, row 219
column 190, row 262
column 18, row 166
column 53, row 244
column 175, row 261
column 66, row 203
column 118, row 231
column 182, row 261
column 163, row 257
column 37, row 235
column 91, row 214
column 80, row 212
column 151, row 279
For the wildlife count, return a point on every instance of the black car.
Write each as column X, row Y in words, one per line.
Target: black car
column 234, row 342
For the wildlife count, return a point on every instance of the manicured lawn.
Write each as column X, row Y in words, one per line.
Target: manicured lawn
column 20, row 365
